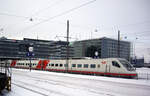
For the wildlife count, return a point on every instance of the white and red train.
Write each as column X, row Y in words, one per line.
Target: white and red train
column 109, row 66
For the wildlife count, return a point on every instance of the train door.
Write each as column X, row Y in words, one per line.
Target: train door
column 107, row 67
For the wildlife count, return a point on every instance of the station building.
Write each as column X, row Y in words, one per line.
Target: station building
column 106, row 48
column 10, row 48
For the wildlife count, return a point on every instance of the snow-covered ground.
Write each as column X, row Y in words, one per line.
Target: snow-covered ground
column 42, row 83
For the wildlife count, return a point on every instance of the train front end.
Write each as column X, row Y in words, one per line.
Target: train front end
column 129, row 69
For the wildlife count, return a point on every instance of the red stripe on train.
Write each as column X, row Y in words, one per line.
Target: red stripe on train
column 39, row 65
column 84, row 72
column 45, row 62
column 90, row 72
column 13, row 63
column 42, row 64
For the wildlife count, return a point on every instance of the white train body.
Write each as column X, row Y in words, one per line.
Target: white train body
column 108, row 66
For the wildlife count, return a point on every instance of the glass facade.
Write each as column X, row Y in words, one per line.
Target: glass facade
column 10, row 48
column 106, row 48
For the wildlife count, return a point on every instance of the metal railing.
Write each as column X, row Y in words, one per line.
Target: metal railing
column 145, row 76
column 6, row 70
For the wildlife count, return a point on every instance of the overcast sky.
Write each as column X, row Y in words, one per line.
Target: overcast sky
column 88, row 19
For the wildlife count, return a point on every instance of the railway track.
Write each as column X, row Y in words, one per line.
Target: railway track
column 36, row 89
column 71, row 85
column 97, row 87
column 29, row 89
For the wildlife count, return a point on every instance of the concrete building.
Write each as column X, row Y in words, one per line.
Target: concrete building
column 58, row 49
column 138, row 62
column 10, row 48
column 106, row 47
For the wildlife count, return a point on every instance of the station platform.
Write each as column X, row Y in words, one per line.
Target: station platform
column 3, row 81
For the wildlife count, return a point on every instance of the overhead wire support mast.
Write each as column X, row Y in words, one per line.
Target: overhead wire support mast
column 118, row 43
column 67, row 56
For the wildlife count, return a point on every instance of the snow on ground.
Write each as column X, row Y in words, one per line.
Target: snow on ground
column 43, row 83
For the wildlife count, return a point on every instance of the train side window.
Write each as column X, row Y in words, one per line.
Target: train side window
column 73, row 65
column 99, row 66
column 86, row 65
column 114, row 63
column 52, row 64
column 79, row 65
column 66, row 65
column 93, row 66
column 61, row 65
column 56, row 65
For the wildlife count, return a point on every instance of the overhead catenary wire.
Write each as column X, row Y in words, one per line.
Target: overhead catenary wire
column 50, row 6
column 44, row 20
column 7, row 14
column 77, row 25
column 61, row 14
column 19, row 16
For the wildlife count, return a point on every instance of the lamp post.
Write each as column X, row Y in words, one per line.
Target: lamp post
column 2, row 30
column 95, row 30
column 133, row 49
column 67, row 55
column 30, row 54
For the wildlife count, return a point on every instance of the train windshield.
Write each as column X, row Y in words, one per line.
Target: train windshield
column 127, row 65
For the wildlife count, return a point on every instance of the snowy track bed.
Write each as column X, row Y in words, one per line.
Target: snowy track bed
column 63, row 84
column 29, row 89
